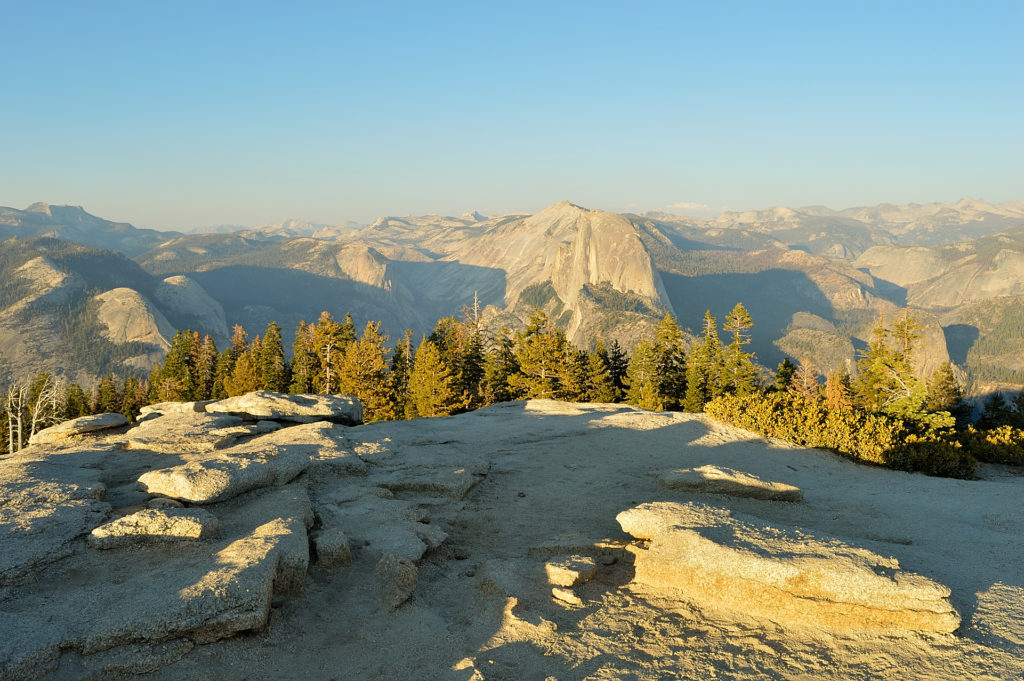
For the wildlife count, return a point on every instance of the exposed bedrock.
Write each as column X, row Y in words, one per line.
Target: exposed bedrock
column 712, row 556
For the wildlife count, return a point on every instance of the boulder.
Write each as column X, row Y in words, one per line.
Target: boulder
column 156, row 525
column 397, row 578
column 721, row 480
column 79, row 426
column 234, row 472
column 570, row 570
column 305, row 408
column 200, row 591
column 710, row 556
column 332, row 549
column 179, row 432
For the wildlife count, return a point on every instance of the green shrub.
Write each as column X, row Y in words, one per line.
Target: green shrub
column 1004, row 444
column 874, row 438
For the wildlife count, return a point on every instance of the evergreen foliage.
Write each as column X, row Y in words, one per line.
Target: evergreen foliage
column 432, row 387
column 363, row 372
column 704, row 371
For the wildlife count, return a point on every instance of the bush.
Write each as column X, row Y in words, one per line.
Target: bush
column 875, row 438
column 1004, row 444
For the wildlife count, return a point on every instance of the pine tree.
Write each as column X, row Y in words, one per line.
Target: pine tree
column 501, row 364
column 304, row 359
column 873, row 370
column 600, row 387
column 108, row 398
column 784, row 374
column 245, row 377
column 642, row 377
column 273, row 367
column 739, row 372
column 330, row 341
column 206, row 371
column 540, row 352
column 704, row 371
column 132, row 398
column 837, row 391
column 432, row 390
column 401, row 369
column 944, row 392
column 618, row 365
column 671, row 363
column 176, row 380
column 76, row 403
column 363, row 372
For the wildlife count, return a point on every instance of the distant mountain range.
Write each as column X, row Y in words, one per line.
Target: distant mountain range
column 814, row 279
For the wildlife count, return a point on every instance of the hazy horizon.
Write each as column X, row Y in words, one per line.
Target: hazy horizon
column 189, row 117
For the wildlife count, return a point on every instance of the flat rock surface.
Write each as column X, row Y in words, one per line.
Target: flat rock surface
column 550, row 479
column 782, row 574
column 720, row 480
column 84, row 424
column 306, row 408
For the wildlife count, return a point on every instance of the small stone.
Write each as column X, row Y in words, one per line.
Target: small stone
column 332, row 549
column 570, row 571
column 566, row 596
column 521, row 495
column 155, row 525
column 397, row 578
column 607, row 559
column 164, row 502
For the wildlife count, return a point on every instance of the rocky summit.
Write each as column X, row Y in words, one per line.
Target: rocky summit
column 526, row 540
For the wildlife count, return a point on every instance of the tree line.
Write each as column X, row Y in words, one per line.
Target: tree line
column 883, row 413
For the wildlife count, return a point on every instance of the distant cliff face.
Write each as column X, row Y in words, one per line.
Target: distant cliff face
column 598, row 274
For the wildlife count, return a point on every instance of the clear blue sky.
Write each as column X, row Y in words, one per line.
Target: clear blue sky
column 181, row 114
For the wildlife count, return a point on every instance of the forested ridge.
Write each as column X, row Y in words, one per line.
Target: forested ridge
column 883, row 414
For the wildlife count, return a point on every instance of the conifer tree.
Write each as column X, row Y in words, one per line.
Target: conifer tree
column 944, row 392
column 245, row 377
column 540, row 352
column 273, row 368
column 330, row 341
column 304, row 359
column 206, row 371
column 501, row 364
column 363, row 372
column 76, row 403
column 669, row 346
column 132, row 398
column 239, row 345
column 108, row 398
column 432, row 390
column 739, row 373
column 642, row 378
column 401, row 369
column 784, row 374
column 837, row 391
column 704, row 371
column 618, row 365
column 874, row 369
column 176, row 380
column 600, row 387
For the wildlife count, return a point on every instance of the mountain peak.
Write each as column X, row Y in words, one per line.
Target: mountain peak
column 39, row 207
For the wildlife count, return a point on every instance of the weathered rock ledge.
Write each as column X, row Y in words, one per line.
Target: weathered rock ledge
column 710, row 556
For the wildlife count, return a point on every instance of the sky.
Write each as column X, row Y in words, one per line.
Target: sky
column 189, row 114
